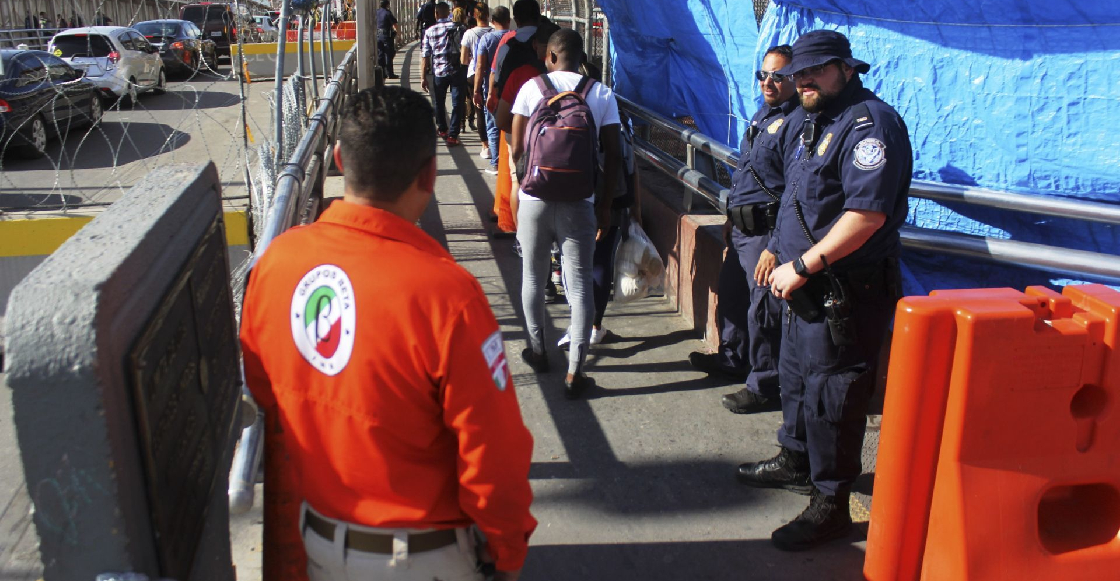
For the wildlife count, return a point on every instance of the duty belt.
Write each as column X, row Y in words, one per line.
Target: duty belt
column 380, row 543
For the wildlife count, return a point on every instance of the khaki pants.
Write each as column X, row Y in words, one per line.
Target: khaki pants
column 330, row 560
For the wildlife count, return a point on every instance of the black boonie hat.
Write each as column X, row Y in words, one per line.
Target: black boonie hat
column 817, row 47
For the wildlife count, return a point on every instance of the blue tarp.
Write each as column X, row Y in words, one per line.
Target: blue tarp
column 1015, row 95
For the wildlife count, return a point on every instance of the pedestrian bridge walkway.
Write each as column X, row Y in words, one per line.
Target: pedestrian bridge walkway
column 635, row 481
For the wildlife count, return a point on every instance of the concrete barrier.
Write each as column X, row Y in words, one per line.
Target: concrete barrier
column 122, row 358
column 26, row 242
column 691, row 246
column 261, row 58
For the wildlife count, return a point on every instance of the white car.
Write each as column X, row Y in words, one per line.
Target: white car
column 119, row 61
column 267, row 31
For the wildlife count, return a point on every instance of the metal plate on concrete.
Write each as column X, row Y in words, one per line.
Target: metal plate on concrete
column 185, row 389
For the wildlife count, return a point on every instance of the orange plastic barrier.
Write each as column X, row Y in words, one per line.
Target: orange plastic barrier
column 999, row 454
column 346, row 30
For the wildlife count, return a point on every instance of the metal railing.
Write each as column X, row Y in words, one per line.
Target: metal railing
column 299, row 189
column 34, row 38
column 697, row 173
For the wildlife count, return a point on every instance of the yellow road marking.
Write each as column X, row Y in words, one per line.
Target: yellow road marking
column 43, row 236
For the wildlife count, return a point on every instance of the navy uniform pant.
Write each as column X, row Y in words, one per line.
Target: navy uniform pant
column 748, row 316
column 385, row 53
column 826, row 389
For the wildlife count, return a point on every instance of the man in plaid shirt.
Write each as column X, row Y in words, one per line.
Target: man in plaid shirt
column 440, row 54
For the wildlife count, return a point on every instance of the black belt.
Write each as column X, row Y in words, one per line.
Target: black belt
column 378, row 542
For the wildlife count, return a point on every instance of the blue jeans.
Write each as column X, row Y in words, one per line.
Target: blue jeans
column 457, row 82
column 492, row 134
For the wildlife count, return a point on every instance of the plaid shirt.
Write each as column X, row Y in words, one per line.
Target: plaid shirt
column 437, row 45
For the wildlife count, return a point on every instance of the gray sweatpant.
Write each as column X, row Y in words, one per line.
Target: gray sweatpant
column 572, row 226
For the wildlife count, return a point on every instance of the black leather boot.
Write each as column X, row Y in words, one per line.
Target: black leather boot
column 826, row 519
column 788, row 470
column 746, row 401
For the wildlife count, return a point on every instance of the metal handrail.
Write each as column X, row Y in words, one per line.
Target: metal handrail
column 1053, row 259
column 687, row 135
column 293, row 191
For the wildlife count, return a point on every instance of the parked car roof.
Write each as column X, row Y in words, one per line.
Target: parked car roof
column 93, row 30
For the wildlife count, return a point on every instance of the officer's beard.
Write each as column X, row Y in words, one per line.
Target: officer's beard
column 822, row 98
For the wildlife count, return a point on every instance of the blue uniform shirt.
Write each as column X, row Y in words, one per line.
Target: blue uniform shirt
column 766, row 155
column 860, row 159
column 385, row 19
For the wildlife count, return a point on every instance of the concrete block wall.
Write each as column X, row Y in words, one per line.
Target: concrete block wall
column 691, row 244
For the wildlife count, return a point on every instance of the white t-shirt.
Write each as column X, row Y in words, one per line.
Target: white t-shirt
column 601, row 101
column 470, row 39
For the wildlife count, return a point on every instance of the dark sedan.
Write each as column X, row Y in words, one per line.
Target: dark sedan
column 180, row 44
column 41, row 96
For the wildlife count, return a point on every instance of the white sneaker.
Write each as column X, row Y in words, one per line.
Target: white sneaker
column 597, row 335
column 491, row 171
column 485, row 153
column 564, row 341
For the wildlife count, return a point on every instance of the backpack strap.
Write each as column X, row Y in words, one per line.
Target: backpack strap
column 584, row 86
column 548, row 90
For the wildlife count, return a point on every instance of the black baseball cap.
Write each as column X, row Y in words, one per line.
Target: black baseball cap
column 545, row 29
column 817, row 47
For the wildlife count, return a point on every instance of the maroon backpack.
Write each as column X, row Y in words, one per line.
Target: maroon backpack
column 561, row 159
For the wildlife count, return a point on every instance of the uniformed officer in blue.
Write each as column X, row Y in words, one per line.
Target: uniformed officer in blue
column 749, row 317
column 837, row 239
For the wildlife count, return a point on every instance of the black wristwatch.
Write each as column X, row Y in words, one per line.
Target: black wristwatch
column 800, row 268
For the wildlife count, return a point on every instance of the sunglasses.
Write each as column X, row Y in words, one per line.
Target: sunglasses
column 813, row 70
column 763, row 75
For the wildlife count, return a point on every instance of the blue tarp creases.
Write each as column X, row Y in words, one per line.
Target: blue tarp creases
column 1014, row 95
column 687, row 58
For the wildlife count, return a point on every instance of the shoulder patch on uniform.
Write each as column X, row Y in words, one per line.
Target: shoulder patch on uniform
column 775, row 126
column 870, row 154
column 494, row 351
column 323, row 318
column 861, row 116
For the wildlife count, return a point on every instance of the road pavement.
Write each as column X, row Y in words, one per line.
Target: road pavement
column 197, row 119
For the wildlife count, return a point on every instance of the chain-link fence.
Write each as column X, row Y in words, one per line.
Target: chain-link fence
column 586, row 18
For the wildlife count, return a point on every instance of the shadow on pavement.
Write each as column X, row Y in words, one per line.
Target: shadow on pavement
column 185, row 98
column 107, row 145
column 754, row 560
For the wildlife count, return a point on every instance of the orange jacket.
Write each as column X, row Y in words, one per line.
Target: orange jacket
column 387, row 369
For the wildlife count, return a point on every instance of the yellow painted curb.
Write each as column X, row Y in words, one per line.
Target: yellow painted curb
column 37, row 237
column 43, row 236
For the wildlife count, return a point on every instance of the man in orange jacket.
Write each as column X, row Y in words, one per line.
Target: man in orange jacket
column 384, row 365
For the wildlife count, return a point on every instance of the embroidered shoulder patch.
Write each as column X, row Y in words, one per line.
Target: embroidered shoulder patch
column 870, row 154
column 494, row 351
column 775, row 126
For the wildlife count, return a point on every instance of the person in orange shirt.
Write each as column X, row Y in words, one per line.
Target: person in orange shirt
column 385, row 367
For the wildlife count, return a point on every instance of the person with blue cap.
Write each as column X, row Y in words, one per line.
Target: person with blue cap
column 847, row 181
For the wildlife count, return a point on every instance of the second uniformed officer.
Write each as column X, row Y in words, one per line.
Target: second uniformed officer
column 749, row 317
column 846, row 197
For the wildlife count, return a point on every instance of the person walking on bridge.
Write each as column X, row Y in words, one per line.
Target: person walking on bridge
column 748, row 315
column 440, row 57
column 847, row 185
column 551, row 207
column 381, row 359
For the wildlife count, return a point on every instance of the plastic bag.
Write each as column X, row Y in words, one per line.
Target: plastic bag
column 639, row 270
